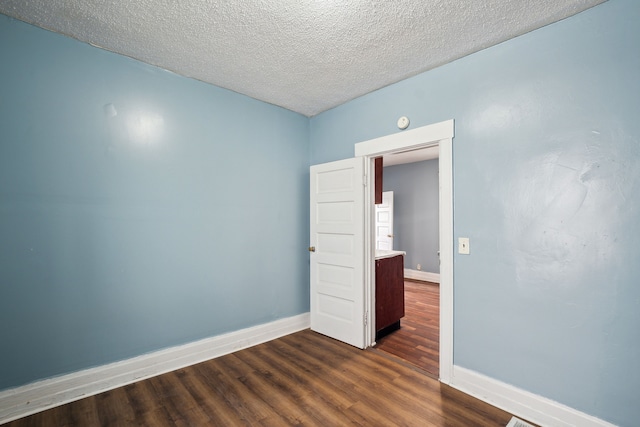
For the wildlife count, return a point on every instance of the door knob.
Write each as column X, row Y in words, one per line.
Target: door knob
column 312, row 248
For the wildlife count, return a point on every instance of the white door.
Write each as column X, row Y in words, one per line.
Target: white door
column 384, row 222
column 337, row 250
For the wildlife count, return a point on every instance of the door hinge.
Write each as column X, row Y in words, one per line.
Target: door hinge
column 366, row 318
column 364, row 180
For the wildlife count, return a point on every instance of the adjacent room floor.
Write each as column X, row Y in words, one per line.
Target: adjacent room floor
column 418, row 339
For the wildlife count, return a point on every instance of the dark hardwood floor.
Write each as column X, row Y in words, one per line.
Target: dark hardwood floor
column 418, row 339
column 300, row 379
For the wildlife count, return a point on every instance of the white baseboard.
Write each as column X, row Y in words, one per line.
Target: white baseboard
column 421, row 275
column 521, row 403
column 35, row 397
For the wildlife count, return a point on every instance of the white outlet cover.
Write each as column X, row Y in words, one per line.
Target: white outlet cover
column 463, row 245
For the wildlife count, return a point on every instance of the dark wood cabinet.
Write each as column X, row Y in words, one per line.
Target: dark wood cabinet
column 389, row 294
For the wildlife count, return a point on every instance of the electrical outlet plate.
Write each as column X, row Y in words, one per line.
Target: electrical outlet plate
column 463, row 245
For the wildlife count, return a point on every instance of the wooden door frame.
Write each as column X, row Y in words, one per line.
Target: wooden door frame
column 441, row 135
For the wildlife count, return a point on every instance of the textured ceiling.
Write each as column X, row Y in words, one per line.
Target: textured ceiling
column 304, row 55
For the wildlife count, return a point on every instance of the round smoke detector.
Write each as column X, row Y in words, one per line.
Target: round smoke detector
column 403, row 122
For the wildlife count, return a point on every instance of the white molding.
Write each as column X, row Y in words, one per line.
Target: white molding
column 35, row 397
column 369, row 253
column 529, row 406
column 445, row 164
column 425, row 276
column 405, row 140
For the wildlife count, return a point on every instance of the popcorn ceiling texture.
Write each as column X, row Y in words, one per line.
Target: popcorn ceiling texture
column 304, row 55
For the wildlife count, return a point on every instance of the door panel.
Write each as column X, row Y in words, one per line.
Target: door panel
column 384, row 222
column 337, row 264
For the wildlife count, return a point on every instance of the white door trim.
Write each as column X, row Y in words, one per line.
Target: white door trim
column 441, row 135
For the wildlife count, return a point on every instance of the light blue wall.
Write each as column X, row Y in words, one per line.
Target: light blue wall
column 546, row 183
column 138, row 209
column 415, row 212
column 115, row 242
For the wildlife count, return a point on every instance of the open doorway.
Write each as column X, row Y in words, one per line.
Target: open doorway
column 438, row 135
column 413, row 179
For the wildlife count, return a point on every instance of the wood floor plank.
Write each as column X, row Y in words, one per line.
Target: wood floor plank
column 83, row 412
column 418, row 339
column 285, row 381
column 283, row 400
column 249, row 406
column 114, row 408
column 361, row 414
column 336, row 379
column 179, row 403
column 368, row 389
column 146, row 405
column 322, row 401
column 302, row 379
column 404, row 404
column 209, row 399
